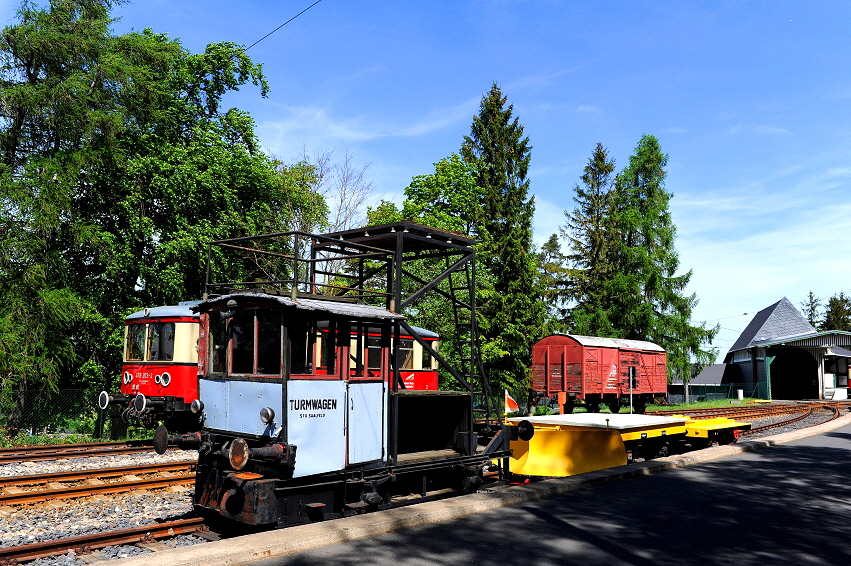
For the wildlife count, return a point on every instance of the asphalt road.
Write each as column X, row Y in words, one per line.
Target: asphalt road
column 789, row 504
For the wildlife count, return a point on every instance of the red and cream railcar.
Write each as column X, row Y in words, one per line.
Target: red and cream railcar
column 160, row 371
column 567, row 368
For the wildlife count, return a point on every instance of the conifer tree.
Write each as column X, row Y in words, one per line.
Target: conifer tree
column 644, row 295
column 621, row 238
column 589, row 237
column 511, row 316
column 812, row 309
column 837, row 313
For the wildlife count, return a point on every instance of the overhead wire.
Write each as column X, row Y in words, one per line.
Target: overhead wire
column 282, row 25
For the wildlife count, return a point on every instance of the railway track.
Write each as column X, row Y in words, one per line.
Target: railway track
column 91, row 482
column 836, row 410
column 58, row 451
column 746, row 412
column 85, row 544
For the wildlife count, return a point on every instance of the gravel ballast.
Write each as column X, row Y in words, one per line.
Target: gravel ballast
column 55, row 520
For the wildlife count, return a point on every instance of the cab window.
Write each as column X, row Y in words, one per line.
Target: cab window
column 242, row 336
column 161, row 341
column 135, row 342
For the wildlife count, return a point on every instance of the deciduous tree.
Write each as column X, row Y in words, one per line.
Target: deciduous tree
column 118, row 163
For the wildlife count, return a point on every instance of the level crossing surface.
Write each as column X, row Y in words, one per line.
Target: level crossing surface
column 789, row 504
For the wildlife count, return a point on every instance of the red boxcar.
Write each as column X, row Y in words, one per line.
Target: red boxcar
column 566, row 368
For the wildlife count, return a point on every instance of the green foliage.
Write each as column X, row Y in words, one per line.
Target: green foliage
column 554, row 279
column 837, row 313
column 118, row 163
column 629, row 287
column 447, row 199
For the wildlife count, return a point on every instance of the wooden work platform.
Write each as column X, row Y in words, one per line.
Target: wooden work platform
column 602, row 420
column 426, row 456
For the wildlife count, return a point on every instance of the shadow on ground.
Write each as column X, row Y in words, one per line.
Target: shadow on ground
column 789, row 504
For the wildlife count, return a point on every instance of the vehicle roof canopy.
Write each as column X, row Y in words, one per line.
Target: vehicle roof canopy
column 339, row 308
column 183, row 309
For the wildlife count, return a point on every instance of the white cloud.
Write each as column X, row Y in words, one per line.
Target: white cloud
column 797, row 254
column 316, row 126
column 587, row 109
column 759, row 129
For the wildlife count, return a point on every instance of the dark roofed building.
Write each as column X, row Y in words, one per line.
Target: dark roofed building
column 780, row 352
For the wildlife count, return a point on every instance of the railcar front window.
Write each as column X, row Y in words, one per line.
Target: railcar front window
column 161, row 341
column 269, row 342
column 136, row 342
column 242, row 333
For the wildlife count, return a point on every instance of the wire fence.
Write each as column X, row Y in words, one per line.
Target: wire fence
column 720, row 392
column 63, row 411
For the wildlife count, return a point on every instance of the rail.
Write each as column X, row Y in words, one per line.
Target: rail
column 85, row 544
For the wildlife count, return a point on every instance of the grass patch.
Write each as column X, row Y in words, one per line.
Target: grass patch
column 714, row 404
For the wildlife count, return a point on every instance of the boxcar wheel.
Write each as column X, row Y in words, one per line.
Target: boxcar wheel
column 568, row 408
column 614, row 407
column 593, row 407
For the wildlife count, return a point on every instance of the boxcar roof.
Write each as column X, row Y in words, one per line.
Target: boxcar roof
column 597, row 342
column 353, row 310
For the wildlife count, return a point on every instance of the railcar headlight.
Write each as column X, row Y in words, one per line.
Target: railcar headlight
column 196, row 406
column 103, row 400
column 267, row 415
column 128, row 377
column 165, row 379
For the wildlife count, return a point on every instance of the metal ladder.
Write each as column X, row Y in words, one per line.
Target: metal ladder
column 467, row 344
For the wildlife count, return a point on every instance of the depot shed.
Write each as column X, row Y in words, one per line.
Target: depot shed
column 782, row 356
column 596, row 369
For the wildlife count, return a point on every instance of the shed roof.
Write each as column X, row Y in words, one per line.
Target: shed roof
column 714, row 374
column 778, row 321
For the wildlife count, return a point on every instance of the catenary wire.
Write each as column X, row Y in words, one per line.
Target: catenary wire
column 282, row 25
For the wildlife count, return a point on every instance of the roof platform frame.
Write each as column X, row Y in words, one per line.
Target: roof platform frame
column 372, row 262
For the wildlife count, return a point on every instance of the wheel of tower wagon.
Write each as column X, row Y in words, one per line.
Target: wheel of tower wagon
column 614, row 407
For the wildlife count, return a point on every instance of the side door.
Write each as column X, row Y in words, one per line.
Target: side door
column 316, row 425
column 366, row 421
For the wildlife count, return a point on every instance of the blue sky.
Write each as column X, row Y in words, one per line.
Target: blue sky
column 749, row 99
